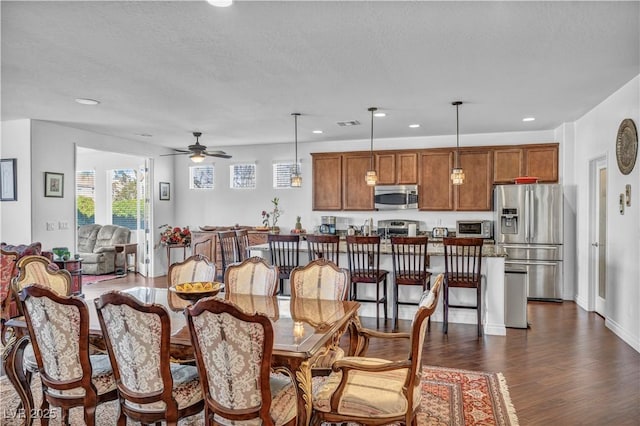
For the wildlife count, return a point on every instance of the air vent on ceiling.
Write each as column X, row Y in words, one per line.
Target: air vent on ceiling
column 348, row 123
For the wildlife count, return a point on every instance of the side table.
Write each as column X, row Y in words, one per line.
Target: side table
column 74, row 266
column 127, row 249
column 176, row 246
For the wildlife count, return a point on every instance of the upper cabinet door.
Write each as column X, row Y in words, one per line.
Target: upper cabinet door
column 435, row 191
column 508, row 164
column 407, row 168
column 542, row 162
column 357, row 194
column 327, row 181
column 386, row 168
column 475, row 193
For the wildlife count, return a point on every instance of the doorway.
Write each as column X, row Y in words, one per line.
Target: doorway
column 598, row 236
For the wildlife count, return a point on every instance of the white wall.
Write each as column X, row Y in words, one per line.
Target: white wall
column 223, row 206
column 595, row 135
column 16, row 143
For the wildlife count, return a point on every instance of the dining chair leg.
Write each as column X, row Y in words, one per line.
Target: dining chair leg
column 395, row 307
column 445, row 309
column 384, row 295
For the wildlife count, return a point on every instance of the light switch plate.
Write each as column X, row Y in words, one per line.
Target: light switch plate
column 51, row 226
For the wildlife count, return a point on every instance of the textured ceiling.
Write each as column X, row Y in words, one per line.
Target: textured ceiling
column 235, row 74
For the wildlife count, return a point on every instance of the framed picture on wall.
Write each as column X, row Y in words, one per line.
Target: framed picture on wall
column 165, row 193
column 53, row 184
column 8, row 184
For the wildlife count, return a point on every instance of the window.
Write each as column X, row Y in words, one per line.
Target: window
column 124, row 198
column 242, row 176
column 201, row 177
column 86, row 197
column 282, row 174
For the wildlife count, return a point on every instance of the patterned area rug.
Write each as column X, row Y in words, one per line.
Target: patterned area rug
column 449, row 397
column 92, row 279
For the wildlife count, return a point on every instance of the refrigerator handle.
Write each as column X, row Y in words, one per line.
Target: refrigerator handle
column 526, row 214
column 532, row 214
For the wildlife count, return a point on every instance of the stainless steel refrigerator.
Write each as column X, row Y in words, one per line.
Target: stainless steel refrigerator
column 529, row 229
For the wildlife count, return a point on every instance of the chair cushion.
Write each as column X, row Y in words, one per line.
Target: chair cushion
column 367, row 394
column 186, row 389
column 283, row 403
column 101, row 377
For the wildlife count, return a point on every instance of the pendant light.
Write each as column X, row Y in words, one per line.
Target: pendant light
column 296, row 178
column 457, row 174
column 371, row 177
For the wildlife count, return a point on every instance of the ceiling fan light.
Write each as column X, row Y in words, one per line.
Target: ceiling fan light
column 220, row 3
column 197, row 157
column 371, row 178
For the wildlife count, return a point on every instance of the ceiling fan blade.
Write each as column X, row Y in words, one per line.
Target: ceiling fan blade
column 176, row 153
column 215, row 154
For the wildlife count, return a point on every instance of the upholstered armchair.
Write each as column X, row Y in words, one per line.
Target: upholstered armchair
column 96, row 247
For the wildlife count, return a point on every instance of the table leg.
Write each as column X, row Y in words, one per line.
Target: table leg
column 12, row 358
column 299, row 369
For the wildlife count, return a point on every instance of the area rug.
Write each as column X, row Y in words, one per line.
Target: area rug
column 92, row 279
column 449, row 397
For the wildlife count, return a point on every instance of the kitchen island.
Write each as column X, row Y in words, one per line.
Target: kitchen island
column 493, row 310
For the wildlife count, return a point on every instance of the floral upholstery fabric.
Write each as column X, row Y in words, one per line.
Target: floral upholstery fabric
column 192, row 271
column 320, row 282
column 57, row 334
column 367, row 394
column 251, row 278
column 135, row 338
column 232, row 353
column 29, row 359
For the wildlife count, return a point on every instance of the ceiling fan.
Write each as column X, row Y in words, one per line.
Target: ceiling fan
column 199, row 152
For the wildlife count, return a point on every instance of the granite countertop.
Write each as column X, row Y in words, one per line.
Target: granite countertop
column 433, row 249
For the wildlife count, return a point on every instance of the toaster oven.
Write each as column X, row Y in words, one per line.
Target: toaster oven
column 474, row 228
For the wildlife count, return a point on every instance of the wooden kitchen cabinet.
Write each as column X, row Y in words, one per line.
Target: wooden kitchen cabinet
column 357, row 194
column 476, row 191
column 435, row 191
column 540, row 160
column 327, row 181
column 397, row 168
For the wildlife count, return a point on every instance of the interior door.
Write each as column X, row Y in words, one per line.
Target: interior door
column 598, row 225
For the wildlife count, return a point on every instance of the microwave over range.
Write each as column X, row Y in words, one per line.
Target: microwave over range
column 396, row 197
column 474, row 228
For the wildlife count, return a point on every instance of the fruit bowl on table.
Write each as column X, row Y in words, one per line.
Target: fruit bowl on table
column 196, row 290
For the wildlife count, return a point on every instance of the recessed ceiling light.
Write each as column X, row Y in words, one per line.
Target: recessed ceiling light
column 414, row 126
column 220, row 3
column 318, row 132
column 380, row 114
column 529, row 119
column 86, row 101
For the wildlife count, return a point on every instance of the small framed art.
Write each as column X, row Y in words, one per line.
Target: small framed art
column 53, row 184
column 8, row 184
column 165, row 191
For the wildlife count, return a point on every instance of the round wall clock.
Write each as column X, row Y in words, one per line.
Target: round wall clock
column 627, row 146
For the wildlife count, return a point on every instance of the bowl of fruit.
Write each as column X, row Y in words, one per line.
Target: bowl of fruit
column 195, row 290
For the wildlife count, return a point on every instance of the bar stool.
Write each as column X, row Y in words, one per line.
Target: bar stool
column 323, row 247
column 285, row 254
column 364, row 267
column 242, row 238
column 462, row 263
column 410, row 263
column 228, row 250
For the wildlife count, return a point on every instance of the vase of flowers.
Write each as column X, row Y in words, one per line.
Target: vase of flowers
column 175, row 235
column 270, row 219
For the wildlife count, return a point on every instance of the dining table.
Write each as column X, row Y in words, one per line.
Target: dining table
column 304, row 330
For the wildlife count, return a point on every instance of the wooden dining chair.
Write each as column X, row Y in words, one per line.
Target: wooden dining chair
column 59, row 331
column 323, row 247
column 233, row 355
column 374, row 391
column 228, row 250
column 410, row 263
column 151, row 387
column 285, row 254
column 252, row 276
column 242, row 238
column 462, row 265
column 364, row 266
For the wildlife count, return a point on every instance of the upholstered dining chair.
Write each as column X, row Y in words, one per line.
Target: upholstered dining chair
column 251, row 276
column 462, row 265
column 151, row 387
column 373, row 391
column 196, row 268
column 242, row 238
column 59, row 331
column 323, row 246
column 410, row 263
column 233, row 354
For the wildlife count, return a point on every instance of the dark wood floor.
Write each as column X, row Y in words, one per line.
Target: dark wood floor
column 566, row 369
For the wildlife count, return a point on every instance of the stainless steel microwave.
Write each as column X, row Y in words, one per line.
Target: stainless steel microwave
column 396, row 197
column 474, row 228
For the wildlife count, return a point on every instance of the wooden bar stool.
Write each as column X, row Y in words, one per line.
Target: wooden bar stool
column 228, row 250
column 242, row 238
column 364, row 267
column 285, row 254
column 323, row 247
column 410, row 263
column 462, row 264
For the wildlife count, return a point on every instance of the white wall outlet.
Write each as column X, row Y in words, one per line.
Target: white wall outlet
column 51, row 226
column 63, row 225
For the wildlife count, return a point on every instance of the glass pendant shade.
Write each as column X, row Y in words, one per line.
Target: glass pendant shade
column 296, row 180
column 198, row 157
column 457, row 176
column 371, row 177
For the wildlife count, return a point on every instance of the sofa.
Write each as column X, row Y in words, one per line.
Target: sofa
column 96, row 247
